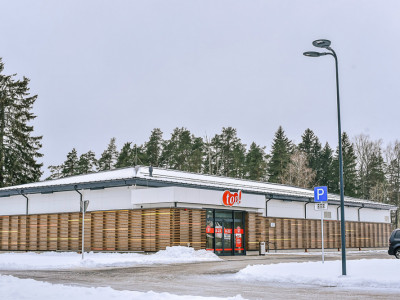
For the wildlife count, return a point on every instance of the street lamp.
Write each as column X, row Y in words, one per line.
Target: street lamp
column 326, row 45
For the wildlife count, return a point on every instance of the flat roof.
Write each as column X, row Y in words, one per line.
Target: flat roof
column 140, row 176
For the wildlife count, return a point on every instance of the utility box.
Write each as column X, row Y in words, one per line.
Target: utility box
column 262, row 248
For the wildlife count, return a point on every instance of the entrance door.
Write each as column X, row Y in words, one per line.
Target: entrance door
column 223, row 237
column 225, row 232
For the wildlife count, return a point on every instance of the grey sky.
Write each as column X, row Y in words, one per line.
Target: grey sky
column 119, row 69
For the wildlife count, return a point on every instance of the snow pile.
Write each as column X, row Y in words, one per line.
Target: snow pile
column 12, row 288
column 365, row 273
column 68, row 260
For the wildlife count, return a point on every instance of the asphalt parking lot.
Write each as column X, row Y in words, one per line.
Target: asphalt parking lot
column 202, row 279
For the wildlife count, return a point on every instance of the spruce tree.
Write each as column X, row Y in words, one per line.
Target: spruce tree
column 311, row 146
column 282, row 149
column 109, row 157
column 153, row 147
column 70, row 165
column 327, row 175
column 256, row 166
column 19, row 150
column 349, row 168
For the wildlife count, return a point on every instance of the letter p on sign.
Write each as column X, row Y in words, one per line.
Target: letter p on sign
column 320, row 194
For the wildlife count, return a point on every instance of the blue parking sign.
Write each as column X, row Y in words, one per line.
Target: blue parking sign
column 320, row 194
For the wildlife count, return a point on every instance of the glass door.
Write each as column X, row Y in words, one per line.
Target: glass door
column 219, row 241
column 227, row 241
column 225, row 232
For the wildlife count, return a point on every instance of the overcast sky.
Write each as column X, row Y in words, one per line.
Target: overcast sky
column 119, row 69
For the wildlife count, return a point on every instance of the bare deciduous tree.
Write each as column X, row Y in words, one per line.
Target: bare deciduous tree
column 297, row 172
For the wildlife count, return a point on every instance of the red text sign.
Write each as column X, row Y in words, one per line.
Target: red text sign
column 230, row 199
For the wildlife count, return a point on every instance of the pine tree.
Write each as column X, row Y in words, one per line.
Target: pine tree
column 256, row 166
column 282, row 149
column 87, row 163
column 370, row 166
column 109, row 157
column 125, row 157
column 18, row 148
column 153, row 147
column 392, row 154
column 178, row 151
column 226, row 154
column 197, row 155
column 349, row 168
column 56, row 172
column 70, row 166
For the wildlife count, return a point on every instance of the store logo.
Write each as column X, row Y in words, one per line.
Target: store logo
column 230, row 199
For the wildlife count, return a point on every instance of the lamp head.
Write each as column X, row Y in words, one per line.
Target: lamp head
column 313, row 54
column 322, row 43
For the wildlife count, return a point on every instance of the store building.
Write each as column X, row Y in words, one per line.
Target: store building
column 143, row 209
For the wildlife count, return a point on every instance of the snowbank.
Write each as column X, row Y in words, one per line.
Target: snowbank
column 12, row 288
column 68, row 260
column 364, row 273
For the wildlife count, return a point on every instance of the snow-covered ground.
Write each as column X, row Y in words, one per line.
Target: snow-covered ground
column 12, row 288
column 374, row 274
column 364, row 273
column 70, row 260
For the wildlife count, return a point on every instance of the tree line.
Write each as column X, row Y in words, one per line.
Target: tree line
column 370, row 172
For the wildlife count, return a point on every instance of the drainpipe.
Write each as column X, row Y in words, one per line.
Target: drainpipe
column 80, row 194
column 305, row 231
column 305, row 209
column 359, row 212
column 27, row 201
column 82, row 209
column 266, row 207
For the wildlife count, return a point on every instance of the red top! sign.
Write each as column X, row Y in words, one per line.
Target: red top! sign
column 230, row 199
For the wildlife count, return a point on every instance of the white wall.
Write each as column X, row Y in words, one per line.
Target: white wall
column 135, row 197
column 293, row 209
column 14, row 205
column 195, row 197
column 285, row 209
column 104, row 199
column 52, row 203
column 108, row 199
column 374, row 215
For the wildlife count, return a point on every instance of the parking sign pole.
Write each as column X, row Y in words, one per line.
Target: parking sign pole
column 322, row 234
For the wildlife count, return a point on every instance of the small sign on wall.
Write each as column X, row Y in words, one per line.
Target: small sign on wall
column 272, row 225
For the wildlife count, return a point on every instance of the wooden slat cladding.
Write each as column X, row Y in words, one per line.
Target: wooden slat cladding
column 306, row 234
column 123, row 230
column 155, row 229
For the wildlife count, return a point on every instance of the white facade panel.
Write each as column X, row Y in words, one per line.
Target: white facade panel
column 374, row 215
column 108, row 199
column 285, row 209
column 198, row 197
column 350, row 213
column 14, row 205
column 53, row 203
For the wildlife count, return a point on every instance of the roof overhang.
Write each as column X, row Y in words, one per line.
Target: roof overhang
column 153, row 182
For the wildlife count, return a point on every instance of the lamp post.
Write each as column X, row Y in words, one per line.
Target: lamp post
column 326, row 45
